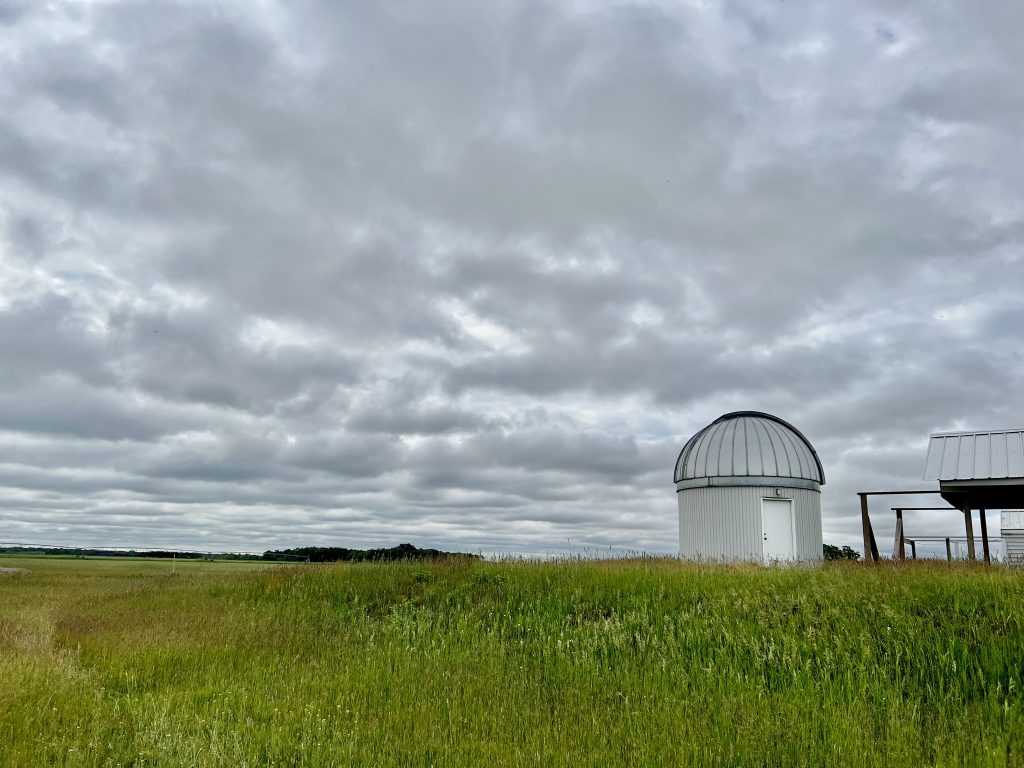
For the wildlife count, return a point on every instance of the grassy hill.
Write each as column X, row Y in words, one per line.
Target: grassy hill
column 467, row 663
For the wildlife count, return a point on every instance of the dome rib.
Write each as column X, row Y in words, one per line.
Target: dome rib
column 714, row 444
column 701, row 446
column 741, row 429
column 760, row 451
column 791, row 470
column 750, row 436
column 728, row 439
column 801, row 456
column 704, row 454
column 774, row 472
column 778, row 449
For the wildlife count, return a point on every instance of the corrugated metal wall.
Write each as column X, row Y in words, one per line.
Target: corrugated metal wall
column 1013, row 535
column 724, row 523
column 1013, row 545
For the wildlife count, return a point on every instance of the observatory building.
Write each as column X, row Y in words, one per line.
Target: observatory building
column 749, row 488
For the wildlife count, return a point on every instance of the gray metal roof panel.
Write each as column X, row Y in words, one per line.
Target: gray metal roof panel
column 739, row 447
column 799, row 461
column 991, row 454
column 965, row 456
column 978, row 432
column 997, row 457
column 934, row 460
column 782, row 452
column 691, row 454
column 950, row 455
column 770, row 446
column 1015, row 454
column 712, row 457
column 726, row 454
column 766, row 451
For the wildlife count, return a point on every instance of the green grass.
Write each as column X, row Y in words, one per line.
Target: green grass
column 119, row 662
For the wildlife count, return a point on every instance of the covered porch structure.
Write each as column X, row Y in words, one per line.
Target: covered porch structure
column 975, row 471
column 978, row 471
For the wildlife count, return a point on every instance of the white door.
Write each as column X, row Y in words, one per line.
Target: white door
column 777, row 529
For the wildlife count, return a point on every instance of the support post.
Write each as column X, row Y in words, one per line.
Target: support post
column 870, row 547
column 864, row 526
column 984, row 537
column 949, row 551
column 913, row 549
column 900, row 541
column 969, row 525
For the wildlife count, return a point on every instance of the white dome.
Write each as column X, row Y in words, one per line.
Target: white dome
column 749, row 444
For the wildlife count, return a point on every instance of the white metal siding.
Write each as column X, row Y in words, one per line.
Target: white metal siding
column 724, row 523
column 1013, row 545
column 1012, row 520
column 1013, row 535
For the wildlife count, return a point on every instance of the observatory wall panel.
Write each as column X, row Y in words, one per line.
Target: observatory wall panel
column 724, row 522
column 1013, row 535
column 1013, row 542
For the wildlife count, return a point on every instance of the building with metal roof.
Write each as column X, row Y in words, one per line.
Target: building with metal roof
column 978, row 470
column 748, row 487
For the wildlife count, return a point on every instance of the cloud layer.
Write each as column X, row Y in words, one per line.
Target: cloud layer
column 470, row 274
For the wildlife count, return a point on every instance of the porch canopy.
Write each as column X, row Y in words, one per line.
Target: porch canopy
column 978, row 470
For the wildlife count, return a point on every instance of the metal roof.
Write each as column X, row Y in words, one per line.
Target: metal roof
column 975, row 455
column 749, row 444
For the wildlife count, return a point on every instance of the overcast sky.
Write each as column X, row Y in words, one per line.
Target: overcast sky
column 468, row 274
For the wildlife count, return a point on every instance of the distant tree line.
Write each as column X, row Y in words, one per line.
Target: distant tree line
column 300, row 554
column 343, row 554
column 93, row 552
column 832, row 552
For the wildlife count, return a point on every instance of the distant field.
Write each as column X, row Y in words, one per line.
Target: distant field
column 119, row 662
column 92, row 567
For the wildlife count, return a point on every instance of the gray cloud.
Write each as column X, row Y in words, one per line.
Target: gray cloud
column 470, row 275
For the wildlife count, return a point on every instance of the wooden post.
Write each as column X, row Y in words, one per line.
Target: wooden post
column 969, row 524
column 913, row 549
column 949, row 551
column 984, row 537
column 870, row 547
column 900, row 541
column 897, row 540
column 864, row 526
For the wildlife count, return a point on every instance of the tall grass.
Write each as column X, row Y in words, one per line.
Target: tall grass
column 501, row 664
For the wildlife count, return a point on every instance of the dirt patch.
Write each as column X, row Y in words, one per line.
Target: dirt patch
column 12, row 571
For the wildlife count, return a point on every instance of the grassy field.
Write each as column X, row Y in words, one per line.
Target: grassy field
column 119, row 662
